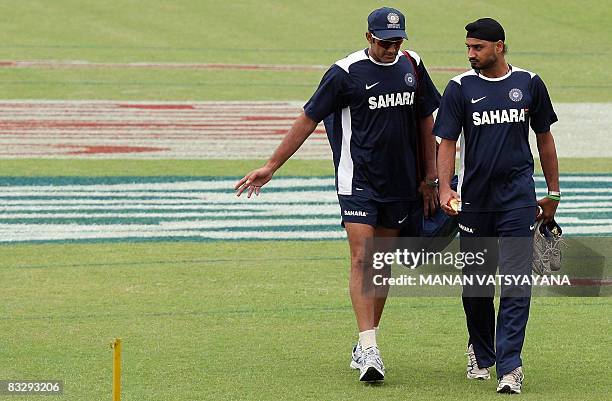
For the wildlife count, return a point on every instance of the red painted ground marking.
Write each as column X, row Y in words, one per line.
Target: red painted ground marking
column 107, row 106
column 264, row 118
column 92, row 150
column 267, row 67
column 129, row 133
column 96, row 129
column 63, row 64
column 158, row 106
column 35, row 132
column 38, row 154
column 590, row 282
column 177, row 140
column 28, row 124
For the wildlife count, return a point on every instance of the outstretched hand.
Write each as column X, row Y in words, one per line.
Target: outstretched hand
column 253, row 181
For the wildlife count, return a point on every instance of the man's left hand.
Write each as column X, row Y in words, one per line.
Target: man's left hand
column 430, row 198
column 547, row 209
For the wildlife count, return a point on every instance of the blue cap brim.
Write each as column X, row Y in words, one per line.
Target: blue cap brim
column 390, row 34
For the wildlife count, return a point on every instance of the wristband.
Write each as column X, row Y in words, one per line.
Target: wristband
column 555, row 193
column 554, row 197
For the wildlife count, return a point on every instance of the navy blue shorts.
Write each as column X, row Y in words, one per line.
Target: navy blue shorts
column 508, row 223
column 357, row 209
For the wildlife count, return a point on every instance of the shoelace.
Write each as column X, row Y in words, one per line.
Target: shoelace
column 554, row 245
column 358, row 353
column 552, row 249
column 472, row 359
column 515, row 375
column 371, row 353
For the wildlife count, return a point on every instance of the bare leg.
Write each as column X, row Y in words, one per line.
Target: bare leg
column 367, row 304
column 361, row 296
column 383, row 291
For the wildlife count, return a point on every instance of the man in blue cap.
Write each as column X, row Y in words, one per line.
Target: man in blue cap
column 377, row 105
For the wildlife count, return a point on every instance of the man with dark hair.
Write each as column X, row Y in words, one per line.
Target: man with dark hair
column 491, row 108
column 377, row 104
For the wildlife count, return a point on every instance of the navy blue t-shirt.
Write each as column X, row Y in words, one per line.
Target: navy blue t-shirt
column 370, row 116
column 495, row 114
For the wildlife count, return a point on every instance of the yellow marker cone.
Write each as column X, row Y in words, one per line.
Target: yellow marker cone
column 116, row 346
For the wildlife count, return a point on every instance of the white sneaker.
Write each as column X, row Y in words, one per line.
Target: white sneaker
column 512, row 382
column 473, row 371
column 372, row 368
column 356, row 356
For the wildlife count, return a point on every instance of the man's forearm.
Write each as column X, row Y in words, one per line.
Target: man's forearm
column 429, row 146
column 446, row 162
column 548, row 160
column 301, row 129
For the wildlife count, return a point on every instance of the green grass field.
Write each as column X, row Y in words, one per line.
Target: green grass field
column 217, row 168
column 567, row 44
column 264, row 320
column 261, row 321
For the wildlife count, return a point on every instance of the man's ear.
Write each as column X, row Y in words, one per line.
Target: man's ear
column 499, row 47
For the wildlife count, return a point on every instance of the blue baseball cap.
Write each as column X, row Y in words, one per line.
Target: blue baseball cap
column 387, row 23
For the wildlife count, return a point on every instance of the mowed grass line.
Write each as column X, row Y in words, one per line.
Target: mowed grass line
column 217, row 168
column 231, row 84
column 259, row 321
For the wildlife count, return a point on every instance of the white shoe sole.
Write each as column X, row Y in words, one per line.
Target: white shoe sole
column 478, row 377
column 506, row 389
column 354, row 365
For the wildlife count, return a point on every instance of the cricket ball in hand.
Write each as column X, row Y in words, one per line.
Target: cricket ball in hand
column 454, row 204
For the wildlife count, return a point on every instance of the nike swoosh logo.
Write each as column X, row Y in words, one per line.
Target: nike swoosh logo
column 531, row 227
column 359, row 189
column 402, row 220
column 477, row 100
column 371, row 86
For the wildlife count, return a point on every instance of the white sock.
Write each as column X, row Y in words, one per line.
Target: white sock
column 367, row 339
column 376, row 330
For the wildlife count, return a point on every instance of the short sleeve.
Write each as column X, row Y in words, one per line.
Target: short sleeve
column 331, row 95
column 541, row 112
column 429, row 97
column 449, row 120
